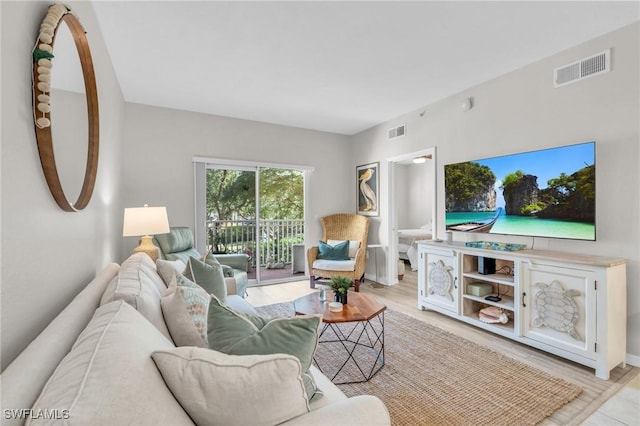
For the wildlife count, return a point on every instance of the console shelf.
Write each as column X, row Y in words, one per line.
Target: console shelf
column 531, row 285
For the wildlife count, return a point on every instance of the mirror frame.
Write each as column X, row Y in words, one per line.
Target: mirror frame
column 58, row 13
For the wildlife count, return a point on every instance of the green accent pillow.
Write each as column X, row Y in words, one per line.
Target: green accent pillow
column 210, row 259
column 338, row 252
column 234, row 333
column 207, row 276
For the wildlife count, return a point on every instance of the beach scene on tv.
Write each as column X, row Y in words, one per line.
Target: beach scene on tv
column 547, row 193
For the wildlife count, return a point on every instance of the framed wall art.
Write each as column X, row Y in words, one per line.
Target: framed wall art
column 368, row 189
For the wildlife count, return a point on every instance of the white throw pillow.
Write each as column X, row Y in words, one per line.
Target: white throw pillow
column 209, row 384
column 168, row 268
column 354, row 245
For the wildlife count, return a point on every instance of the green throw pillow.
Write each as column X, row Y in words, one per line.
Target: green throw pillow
column 210, row 259
column 234, row 333
column 207, row 276
column 338, row 252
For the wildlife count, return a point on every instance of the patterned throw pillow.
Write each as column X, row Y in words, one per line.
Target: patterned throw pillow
column 185, row 309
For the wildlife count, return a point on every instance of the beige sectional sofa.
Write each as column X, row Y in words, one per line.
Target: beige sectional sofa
column 93, row 365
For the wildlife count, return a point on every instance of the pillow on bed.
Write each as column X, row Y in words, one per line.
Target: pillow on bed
column 427, row 226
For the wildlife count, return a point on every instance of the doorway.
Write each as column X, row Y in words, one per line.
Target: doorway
column 412, row 207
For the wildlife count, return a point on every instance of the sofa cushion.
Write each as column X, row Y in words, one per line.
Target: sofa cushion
column 207, row 276
column 245, row 334
column 335, row 265
column 139, row 284
column 339, row 251
column 185, row 310
column 166, row 269
column 207, row 383
column 109, row 378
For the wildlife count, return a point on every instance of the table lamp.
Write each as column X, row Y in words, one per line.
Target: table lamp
column 145, row 222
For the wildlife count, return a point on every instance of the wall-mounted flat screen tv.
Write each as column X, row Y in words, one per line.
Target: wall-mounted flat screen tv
column 547, row 193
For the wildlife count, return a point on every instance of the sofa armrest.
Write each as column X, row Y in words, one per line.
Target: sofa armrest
column 365, row 410
column 236, row 261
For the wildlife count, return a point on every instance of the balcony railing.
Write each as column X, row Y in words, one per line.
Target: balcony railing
column 275, row 242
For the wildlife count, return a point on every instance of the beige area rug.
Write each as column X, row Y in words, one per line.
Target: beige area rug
column 433, row 377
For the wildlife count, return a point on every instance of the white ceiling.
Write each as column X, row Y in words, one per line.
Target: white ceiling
column 339, row 67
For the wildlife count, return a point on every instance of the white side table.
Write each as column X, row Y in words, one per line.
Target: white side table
column 297, row 261
column 375, row 248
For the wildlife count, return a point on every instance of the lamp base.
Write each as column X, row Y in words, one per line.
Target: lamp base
column 146, row 246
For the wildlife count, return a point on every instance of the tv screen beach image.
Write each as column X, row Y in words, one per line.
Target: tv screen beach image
column 546, row 193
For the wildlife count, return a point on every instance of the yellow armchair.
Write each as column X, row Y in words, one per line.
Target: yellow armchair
column 341, row 227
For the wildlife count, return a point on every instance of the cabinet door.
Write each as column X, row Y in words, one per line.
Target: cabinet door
column 559, row 308
column 438, row 279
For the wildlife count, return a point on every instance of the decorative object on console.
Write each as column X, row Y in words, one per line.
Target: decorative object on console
column 441, row 279
column 493, row 315
column 556, row 308
column 145, row 222
column 42, row 56
column 491, row 245
column 368, row 182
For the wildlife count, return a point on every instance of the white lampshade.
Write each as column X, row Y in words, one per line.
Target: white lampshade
column 145, row 221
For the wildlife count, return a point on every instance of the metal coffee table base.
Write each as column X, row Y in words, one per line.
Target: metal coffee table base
column 363, row 343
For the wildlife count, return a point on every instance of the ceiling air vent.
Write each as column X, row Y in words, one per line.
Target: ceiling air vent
column 584, row 68
column 396, row 132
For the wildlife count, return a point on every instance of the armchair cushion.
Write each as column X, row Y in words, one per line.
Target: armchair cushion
column 334, row 265
column 339, row 251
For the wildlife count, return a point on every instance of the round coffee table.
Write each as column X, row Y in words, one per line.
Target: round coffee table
column 357, row 331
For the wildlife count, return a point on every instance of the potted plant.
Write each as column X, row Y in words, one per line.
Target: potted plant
column 340, row 285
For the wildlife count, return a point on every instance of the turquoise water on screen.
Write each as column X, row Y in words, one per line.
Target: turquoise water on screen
column 529, row 226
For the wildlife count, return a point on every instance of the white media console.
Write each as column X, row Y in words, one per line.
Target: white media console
column 571, row 305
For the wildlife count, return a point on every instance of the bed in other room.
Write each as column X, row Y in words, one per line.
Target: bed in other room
column 407, row 243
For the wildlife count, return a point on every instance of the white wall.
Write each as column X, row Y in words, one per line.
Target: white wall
column 414, row 190
column 48, row 255
column 160, row 145
column 521, row 111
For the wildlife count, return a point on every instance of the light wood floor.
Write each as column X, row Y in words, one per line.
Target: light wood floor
column 403, row 298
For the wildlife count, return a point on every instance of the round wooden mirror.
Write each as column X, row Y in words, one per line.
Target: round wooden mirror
column 43, row 60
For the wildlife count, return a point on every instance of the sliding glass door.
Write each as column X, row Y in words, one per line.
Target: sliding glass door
column 259, row 211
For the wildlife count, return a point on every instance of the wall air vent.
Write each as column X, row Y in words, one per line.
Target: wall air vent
column 397, row 132
column 584, row 68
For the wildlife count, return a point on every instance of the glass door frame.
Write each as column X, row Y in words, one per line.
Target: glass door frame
column 201, row 164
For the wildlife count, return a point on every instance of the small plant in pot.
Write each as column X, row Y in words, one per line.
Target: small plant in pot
column 340, row 285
